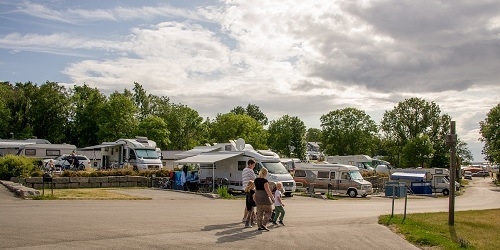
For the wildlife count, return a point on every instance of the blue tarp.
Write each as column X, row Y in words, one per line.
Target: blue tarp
column 409, row 176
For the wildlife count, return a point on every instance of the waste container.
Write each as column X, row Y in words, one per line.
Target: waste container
column 421, row 188
column 399, row 189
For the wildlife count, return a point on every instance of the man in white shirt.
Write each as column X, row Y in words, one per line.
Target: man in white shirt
column 246, row 176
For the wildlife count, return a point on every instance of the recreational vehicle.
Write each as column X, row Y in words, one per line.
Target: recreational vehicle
column 363, row 162
column 138, row 153
column 35, row 148
column 437, row 178
column 226, row 161
column 337, row 178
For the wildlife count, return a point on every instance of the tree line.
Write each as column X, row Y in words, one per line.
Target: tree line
column 411, row 134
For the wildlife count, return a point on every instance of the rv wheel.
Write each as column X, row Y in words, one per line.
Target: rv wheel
column 288, row 194
column 352, row 193
column 446, row 192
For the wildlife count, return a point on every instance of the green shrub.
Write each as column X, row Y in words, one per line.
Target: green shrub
column 223, row 192
column 17, row 166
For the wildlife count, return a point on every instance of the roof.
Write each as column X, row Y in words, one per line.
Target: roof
column 209, row 158
column 197, row 151
column 418, row 176
column 99, row 146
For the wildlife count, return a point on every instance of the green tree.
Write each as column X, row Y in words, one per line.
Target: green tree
column 184, row 124
column 464, row 154
column 417, row 152
column 287, row 137
column 232, row 126
column 6, row 92
column 490, row 135
column 142, row 101
column 348, row 131
column 20, row 105
column 117, row 119
column 253, row 111
column 87, row 108
column 313, row 135
column 156, row 129
column 414, row 117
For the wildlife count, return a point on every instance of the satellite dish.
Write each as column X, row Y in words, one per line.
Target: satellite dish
column 240, row 144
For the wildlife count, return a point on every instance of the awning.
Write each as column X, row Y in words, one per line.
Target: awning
column 197, row 151
column 409, row 176
column 208, row 158
column 99, row 146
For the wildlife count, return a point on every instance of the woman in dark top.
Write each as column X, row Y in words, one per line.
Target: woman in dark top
column 264, row 200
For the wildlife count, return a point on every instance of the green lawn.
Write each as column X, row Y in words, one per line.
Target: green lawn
column 477, row 229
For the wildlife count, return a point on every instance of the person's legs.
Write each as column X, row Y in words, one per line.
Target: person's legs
column 245, row 213
column 281, row 211
column 259, row 215
column 267, row 211
column 249, row 218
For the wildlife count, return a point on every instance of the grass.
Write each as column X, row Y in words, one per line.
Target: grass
column 475, row 229
column 87, row 194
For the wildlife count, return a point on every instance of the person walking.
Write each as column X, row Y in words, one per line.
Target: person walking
column 246, row 176
column 263, row 199
column 250, row 203
column 279, row 210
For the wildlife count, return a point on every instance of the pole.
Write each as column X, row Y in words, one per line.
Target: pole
column 451, row 140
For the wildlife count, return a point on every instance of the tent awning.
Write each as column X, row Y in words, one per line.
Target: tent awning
column 408, row 176
column 196, row 151
column 99, row 146
column 207, row 158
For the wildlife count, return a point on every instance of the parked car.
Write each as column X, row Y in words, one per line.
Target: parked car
column 468, row 175
column 481, row 174
column 383, row 169
column 62, row 162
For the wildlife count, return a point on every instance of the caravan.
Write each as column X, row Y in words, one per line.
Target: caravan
column 436, row 178
column 34, row 148
column 226, row 161
column 139, row 153
column 363, row 162
column 338, row 178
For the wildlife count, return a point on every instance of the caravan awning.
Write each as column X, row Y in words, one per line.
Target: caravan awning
column 409, row 176
column 197, row 151
column 208, row 158
column 99, row 146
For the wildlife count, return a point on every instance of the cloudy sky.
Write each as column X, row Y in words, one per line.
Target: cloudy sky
column 295, row 57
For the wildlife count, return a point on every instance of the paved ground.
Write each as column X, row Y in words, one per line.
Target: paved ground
column 176, row 220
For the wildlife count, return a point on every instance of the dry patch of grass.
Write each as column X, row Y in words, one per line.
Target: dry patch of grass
column 88, row 194
column 476, row 229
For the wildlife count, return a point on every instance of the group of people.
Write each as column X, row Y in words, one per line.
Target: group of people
column 261, row 197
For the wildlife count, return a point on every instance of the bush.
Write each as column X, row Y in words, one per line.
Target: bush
column 223, row 192
column 17, row 166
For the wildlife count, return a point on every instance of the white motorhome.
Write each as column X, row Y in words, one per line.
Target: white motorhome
column 35, row 148
column 139, row 153
column 226, row 161
column 437, row 177
column 338, row 178
column 363, row 162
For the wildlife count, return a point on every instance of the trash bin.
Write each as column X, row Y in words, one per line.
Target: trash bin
column 421, row 188
column 399, row 189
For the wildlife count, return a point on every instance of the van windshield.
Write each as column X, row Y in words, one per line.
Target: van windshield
column 355, row 175
column 273, row 167
column 146, row 153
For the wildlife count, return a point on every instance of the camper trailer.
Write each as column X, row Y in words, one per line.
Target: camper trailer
column 35, row 148
column 337, row 178
column 138, row 153
column 226, row 161
column 363, row 162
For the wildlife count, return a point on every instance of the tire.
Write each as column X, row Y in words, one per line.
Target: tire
column 288, row 194
column 446, row 192
column 352, row 193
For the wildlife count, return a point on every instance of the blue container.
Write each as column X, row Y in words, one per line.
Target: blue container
column 421, row 188
column 396, row 189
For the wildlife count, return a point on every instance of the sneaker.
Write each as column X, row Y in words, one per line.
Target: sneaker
column 281, row 223
column 274, row 223
column 265, row 228
column 254, row 223
column 248, row 226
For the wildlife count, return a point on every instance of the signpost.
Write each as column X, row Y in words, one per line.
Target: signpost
column 451, row 139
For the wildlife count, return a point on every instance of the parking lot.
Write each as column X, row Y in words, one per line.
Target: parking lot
column 188, row 221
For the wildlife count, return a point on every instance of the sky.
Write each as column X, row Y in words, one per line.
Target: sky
column 289, row 57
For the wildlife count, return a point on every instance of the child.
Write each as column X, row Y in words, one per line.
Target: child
column 279, row 211
column 250, row 203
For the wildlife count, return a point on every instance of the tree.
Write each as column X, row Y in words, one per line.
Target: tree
column 6, row 92
column 287, row 137
column 348, row 131
column 117, row 119
column 232, row 126
column 490, row 135
column 313, row 135
column 253, row 111
column 183, row 123
column 464, row 155
column 414, row 117
column 417, row 152
column 154, row 128
column 87, row 108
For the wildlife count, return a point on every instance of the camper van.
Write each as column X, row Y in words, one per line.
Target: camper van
column 363, row 162
column 338, row 178
column 35, row 148
column 226, row 161
column 140, row 153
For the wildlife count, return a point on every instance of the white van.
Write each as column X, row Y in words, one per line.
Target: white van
column 338, row 178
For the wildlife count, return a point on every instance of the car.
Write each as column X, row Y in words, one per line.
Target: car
column 62, row 162
column 383, row 169
column 468, row 175
column 481, row 174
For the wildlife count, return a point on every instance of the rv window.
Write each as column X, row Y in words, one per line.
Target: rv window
column 300, row 173
column 332, row 175
column 345, row 176
column 30, row 152
column 131, row 155
column 53, row 152
column 241, row 165
column 323, row 174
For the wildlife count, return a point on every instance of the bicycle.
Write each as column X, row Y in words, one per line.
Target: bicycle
column 165, row 183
